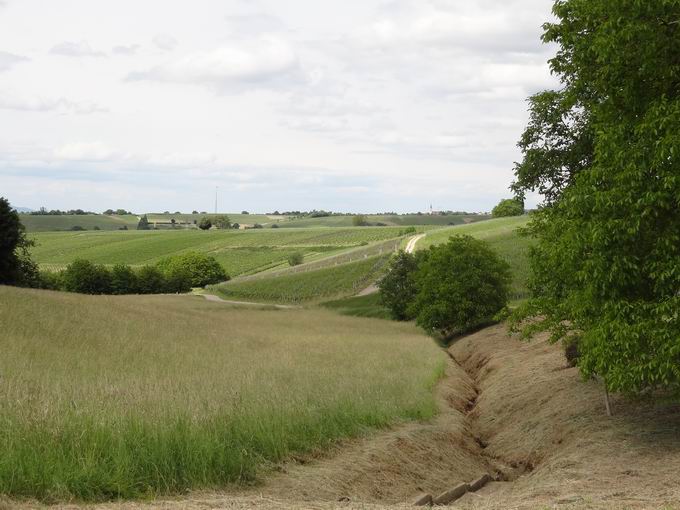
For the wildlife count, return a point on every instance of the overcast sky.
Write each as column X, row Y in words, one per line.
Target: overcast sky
column 353, row 105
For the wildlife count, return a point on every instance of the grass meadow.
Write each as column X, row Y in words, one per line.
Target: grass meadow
column 240, row 252
column 307, row 287
column 502, row 236
column 120, row 397
column 360, row 306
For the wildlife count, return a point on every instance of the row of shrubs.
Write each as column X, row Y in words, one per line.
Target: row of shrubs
column 177, row 274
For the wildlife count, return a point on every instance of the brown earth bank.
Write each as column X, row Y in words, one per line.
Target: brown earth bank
column 509, row 409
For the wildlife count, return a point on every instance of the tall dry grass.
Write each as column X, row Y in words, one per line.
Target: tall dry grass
column 109, row 397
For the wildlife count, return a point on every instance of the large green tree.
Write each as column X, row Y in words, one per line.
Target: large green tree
column 460, row 285
column 604, row 152
column 16, row 267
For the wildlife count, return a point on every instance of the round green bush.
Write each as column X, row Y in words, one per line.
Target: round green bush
column 201, row 269
column 460, row 285
column 84, row 277
column 150, row 280
column 123, row 280
column 508, row 207
column 295, row 259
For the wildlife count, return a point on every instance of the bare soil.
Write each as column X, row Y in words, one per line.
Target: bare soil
column 510, row 409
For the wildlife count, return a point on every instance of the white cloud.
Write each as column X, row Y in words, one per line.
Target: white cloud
column 125, row 50
column 454, row 27
column 254, row 24
column 401, row 99
column 165, row 42
column 9, row 60
column 254, row 63
column 85, row 151
column 19, row 102
column 75, row 49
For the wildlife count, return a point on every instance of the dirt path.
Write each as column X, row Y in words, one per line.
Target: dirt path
column 410, row 248
column 217, row 299
column 509, row 409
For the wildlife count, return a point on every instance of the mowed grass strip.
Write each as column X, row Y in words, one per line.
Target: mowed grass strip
column 120, row 397
column 503, row 237
column 306, row 287
column 360, row 306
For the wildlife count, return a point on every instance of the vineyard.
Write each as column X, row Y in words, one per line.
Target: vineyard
column 240, row 252
column 46, row 223
column 306, row 287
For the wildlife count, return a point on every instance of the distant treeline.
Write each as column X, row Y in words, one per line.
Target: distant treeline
column 323, row 214
column 77, row 212
column 57, row 212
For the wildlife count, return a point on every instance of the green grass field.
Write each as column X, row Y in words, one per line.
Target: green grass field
column 240, row 252
column 306, row 287
column 359, row 306
column 39, row 223
column 121, row 397
column 502, row 235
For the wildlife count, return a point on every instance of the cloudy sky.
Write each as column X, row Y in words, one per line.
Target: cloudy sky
column 353, row 105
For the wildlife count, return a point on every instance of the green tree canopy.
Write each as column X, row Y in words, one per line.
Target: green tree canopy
column 360, row 220
column 16, row 267
column 205, row 223
column 222, row 221
column 201, row 269
column 603, row 150
column 143, row 223
column 398, row 288
column 460, row 285
column 508, row 207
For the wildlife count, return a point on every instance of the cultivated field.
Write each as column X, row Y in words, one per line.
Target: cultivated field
column 240, row 252
column 107, row 397
column 502, row 236
column 306, row 287
column 241, row 219
column 39, row 223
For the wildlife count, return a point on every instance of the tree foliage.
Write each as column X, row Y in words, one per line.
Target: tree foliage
column 604, row 152
column 205, row 223
column 448, row 289
column 222, row 221
column 201, row 269
column 508, row 207
column 143, row 223
column 461, row 285
column 360, row 220
column 295, row 259
column 16, row 266
column 84, row 277
column 397, row 288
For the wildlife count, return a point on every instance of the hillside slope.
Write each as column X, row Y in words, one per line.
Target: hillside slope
column 510, row 409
